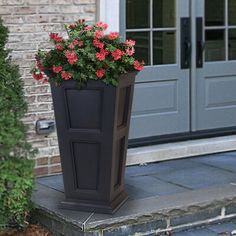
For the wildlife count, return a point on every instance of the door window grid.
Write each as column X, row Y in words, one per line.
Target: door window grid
column 132, row 32
column 227, row 53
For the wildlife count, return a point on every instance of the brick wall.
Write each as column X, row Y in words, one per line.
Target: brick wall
column 30, row 22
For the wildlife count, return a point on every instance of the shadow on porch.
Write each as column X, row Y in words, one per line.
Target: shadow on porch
column 171, row 195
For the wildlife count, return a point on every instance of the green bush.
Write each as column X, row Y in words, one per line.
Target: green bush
column 16, row 178
column 12, row 105
column 16, row 181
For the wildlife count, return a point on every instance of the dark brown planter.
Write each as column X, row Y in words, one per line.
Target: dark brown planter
column 92, row 129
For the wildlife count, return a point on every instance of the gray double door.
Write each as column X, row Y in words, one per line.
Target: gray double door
column 189, row 81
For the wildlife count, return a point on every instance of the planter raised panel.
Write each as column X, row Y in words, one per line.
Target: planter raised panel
column 92, row 129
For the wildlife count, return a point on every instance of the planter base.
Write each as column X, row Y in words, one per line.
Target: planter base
column 100, row 207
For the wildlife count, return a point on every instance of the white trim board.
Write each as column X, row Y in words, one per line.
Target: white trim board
column 179, row 150
column 109, row 12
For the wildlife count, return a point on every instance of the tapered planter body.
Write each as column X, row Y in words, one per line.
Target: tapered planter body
column 92, row 129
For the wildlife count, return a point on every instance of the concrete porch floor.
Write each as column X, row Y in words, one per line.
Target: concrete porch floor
column 172, row 195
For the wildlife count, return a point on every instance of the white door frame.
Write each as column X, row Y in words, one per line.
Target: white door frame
column 108, row 11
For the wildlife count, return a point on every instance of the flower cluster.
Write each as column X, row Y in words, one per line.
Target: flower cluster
column 87, row 53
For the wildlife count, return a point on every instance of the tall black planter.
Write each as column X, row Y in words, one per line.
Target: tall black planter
column 92, row 128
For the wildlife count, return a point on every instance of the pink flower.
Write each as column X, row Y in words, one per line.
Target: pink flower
column 59, row 47
column 138, row 65
column 102, row 55
column 130, row 43
column 100, row 73
column 113, row 35
column 98, row 44
column 71, row 56
column 56, row 69
column 130, row 51
column 117, row 54
column 55, row 37
column 99, row 34
column 102, row 25
column 66, row 75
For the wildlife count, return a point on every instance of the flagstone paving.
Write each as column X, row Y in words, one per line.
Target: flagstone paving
column 167, row 194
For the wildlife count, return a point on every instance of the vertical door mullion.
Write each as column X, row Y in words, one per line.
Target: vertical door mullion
column 151, row 32
column 192, row 90
column 226, row 31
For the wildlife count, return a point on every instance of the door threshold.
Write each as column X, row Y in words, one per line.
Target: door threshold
column 177, row 150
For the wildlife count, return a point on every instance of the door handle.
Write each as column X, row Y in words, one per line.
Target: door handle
column 187, row 52
column 185, row 43
column 200, row 45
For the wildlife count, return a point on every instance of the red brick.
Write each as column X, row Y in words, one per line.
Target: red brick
column 42, row 161
column 41, row 171
column 55, row 160
column 55, row 169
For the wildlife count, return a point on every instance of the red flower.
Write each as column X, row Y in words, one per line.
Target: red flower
column 71, row 56
column 72, row 26
column 99, row 34
column 81, row 21
column 38, row 75
column 75, row 42
column 130, row 51
column 98, row 44
column 56, row 69
column 39, row 64
column 130, row 43
column 113, row 35
column 102, row 25
column 81, row 43
column 117, row 54
column 55, row 37
column 66, row 75
column 138, row 65
column 59, row 47
column 88, row 28
column 71, row 46
column 100, row 73
column 102, row 55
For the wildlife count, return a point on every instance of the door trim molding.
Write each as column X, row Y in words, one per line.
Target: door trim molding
column 109, row 12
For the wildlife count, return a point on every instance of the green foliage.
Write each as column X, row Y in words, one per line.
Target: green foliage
column 16, row 178
column 87, row 54
column 16, row 185
column 12, row 106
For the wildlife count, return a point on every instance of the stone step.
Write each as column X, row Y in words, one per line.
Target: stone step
column 172, row 196
column 149, row 216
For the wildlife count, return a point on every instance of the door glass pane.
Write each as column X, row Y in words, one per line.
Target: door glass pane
column 163, row 13
column 232, row 44
column 214, row 12
column 164, row 48
column 137, row 14
column 142, row 47
column 215, row 45
column 232, row 12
